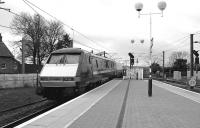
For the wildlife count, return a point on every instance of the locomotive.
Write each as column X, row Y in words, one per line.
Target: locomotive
column 70, row 71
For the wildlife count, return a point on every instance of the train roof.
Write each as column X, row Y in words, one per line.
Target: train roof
column 68, row 50
column 78, row 50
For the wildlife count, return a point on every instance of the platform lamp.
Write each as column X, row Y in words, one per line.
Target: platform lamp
column 139, row 6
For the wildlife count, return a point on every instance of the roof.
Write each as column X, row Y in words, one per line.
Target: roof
column 68, row 50
column 78, row 50
column 4, row 51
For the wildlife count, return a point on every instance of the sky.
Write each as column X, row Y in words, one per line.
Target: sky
column 112, row 24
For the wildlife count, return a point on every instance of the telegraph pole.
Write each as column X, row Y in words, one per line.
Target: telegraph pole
column 191, row 55
column 23, row 65
column 37, row 51
column 163, row 64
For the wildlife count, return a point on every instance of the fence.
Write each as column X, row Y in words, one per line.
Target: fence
column 17, row 80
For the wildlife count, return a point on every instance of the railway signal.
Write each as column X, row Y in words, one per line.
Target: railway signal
column 196, row 56
column 131, row 59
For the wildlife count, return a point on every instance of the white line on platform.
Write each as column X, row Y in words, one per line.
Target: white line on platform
column 179, row 91
column 52, row 110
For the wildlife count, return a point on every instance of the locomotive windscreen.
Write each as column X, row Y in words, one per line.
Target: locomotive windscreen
column 64, row 59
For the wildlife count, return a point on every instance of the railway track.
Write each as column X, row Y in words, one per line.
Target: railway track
column 30, row 116
column 180, row 84
column 25, row 117
column 11, row 120
column 22, row 106
column 17, row 115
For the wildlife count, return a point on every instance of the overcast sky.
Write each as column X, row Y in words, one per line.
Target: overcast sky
column 112, row 24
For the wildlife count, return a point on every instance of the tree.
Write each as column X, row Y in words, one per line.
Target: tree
column 155, row 67
column 53, row 34
column 180, row 65
column 65, row 42
column 178, row 55
column 43, row 34
column 34, row 27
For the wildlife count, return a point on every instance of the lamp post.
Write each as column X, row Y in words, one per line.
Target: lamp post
column 139, row 6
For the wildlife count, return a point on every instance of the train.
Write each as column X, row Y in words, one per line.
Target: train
column 71, row 71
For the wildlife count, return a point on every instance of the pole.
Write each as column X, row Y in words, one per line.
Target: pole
column 23, row 65
column 37, row 51
column 191, row 55
column 150, row 52
column 163, row 65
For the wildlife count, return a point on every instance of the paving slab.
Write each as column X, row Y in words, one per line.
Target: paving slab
column 105, row 113
column 165, row 109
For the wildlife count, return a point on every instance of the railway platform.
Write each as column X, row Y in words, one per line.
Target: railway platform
column 125, row 104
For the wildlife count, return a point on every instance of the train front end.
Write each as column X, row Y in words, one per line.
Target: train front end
column 58, row 77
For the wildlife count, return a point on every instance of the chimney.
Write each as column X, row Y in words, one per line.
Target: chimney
column 0, row 38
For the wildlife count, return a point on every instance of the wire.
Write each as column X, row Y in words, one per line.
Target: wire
column 66, row 24
column 86, row 45
column 36, row 12
column 7, row 27
column 46, row 13
column 180, row 40
column 30, row 6
column 178, row 46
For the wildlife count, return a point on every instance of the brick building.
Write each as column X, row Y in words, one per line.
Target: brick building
column 8, row 64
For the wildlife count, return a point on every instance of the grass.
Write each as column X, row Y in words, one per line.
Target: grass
column 16, row 97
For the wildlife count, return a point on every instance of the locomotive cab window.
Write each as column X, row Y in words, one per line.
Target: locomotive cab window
column 64, row 59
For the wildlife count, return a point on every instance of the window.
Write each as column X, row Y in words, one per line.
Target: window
column 64, row 59
column 3, row 66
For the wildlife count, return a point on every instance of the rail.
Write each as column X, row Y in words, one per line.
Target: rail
column 30, row 116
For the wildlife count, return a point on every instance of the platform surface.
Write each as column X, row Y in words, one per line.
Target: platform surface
column 125, row 104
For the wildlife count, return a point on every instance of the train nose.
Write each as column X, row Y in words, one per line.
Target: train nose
column 59, row 70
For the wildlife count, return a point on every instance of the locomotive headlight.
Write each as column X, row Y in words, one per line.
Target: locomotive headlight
column 68, row 78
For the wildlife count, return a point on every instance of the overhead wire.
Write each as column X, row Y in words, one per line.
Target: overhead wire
column 38, row 13
column 71, row 27
column 30, row 6
column 65, row 24
column 86, row 45
column 7, row 27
